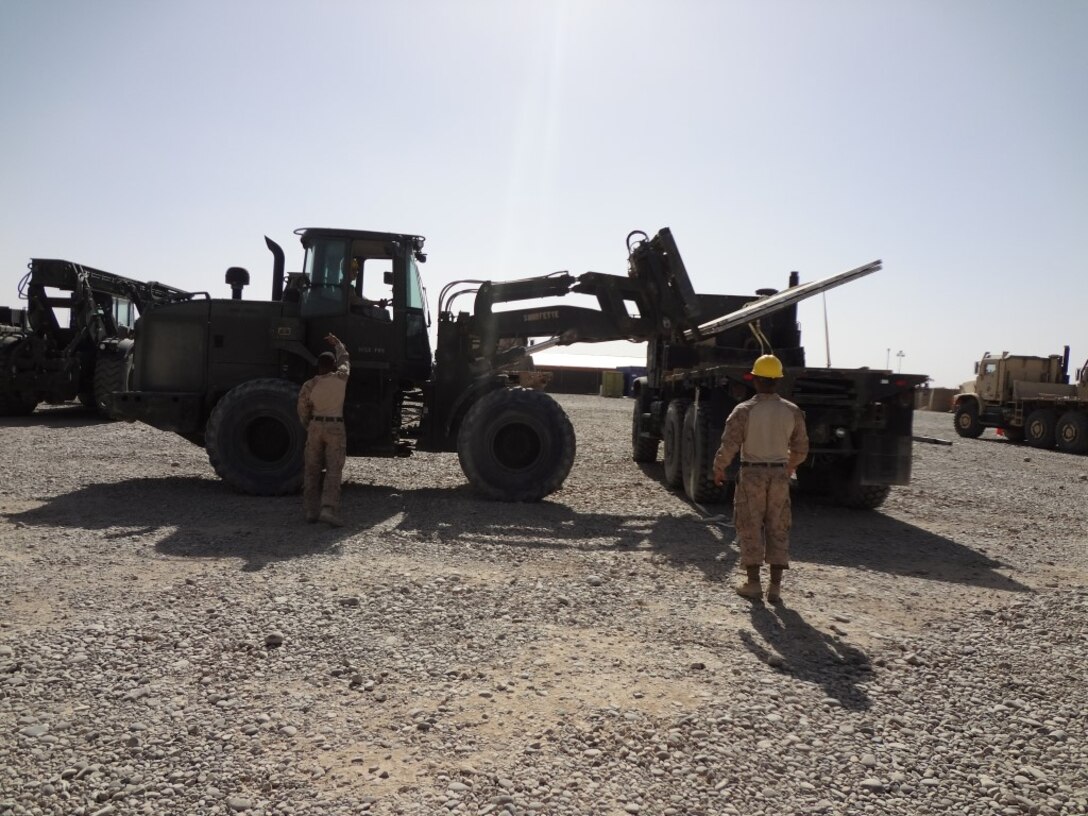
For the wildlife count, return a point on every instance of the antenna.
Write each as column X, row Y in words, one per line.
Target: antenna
column 827, row 336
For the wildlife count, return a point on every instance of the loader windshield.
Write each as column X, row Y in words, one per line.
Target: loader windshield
column 326, row 268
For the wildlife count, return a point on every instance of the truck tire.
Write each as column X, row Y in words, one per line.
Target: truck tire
column 254, row 439
column 847, row 490
column 674, row 436
column 643, row 448
column 111, row 374
column 516, row 445
column 1039, row 428
column 967, row 422
column 15, row 403
column 699, row 444
column 1071, row 432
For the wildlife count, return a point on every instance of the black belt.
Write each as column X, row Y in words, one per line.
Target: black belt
column 763, row 464
column 328, row 419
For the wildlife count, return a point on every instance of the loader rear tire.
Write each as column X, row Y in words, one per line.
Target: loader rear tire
column 699, row 443
column 516, row 445
column 254, row 439
column 674, row 441
column 643, row 448
column 1072, row 432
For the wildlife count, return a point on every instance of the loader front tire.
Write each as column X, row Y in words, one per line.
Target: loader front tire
column 516, row 445
column 254, row 439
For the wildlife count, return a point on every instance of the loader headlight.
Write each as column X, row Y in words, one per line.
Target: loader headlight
column 840, row 433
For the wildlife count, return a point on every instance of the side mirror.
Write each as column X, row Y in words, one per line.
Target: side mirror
column 976, row 368
column 388, row 277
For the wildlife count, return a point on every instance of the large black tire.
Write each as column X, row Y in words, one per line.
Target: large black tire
column 1072, row 432
column 254, row 439
column 967, row 421
column 674, row 435
column 699, row 443
column 516, row 445
column 15, row 403
column 847, row 490
column 12, row 401
column 111, row 374
column 1039, row 428
column 643, row 447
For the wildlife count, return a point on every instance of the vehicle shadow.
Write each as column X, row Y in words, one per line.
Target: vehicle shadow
column 827, row 534
column 201, row 518
column 190, row 517
column 791, row 644
column 61, row 416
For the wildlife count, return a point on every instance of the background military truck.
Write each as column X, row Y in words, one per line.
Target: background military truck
column 1028, row 399
column 226, row 373
column 859, row 420
column 72, row 341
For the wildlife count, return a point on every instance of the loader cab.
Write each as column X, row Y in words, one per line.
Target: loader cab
column 366, row 288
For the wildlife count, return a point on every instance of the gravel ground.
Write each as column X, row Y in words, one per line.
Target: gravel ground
column 170, row 647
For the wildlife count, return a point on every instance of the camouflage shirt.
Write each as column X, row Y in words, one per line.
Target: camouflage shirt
column 765, row 428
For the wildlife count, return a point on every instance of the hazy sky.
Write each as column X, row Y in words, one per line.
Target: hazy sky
column 163, row 140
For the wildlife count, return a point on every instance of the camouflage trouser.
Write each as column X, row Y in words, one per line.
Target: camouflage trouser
column 326, row 449
column 761, row 513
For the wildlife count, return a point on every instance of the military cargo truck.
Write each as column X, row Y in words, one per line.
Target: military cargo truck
column 1027, row 399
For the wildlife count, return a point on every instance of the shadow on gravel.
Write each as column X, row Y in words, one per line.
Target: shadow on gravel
column 874, row 541
column 459, row 514
column 190, row 517
column 207, row 520
column 825, row 534
column 64, row 416
column 793, row 646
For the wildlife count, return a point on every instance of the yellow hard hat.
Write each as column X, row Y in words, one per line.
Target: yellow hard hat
column 767, row 366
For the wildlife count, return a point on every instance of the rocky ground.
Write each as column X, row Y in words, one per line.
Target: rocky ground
column 170, row 647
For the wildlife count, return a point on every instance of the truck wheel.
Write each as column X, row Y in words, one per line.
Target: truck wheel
column 15, row 403
column 699, row 444
column 674, row 435
column 967, row 421
column 254, row 439
column 1039, row 428
column 1072, row 432
column 516, row 444
column 643, row 448
column 12, row 401
column 847, row 490
column 111, row 374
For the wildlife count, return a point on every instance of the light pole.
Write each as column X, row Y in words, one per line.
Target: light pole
column 900, row 355
column 888, row 359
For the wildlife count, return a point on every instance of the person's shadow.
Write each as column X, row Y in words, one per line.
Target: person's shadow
column 791, row 645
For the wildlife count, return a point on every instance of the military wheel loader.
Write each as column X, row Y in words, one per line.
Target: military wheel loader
column 226, row 374
column 73, row 340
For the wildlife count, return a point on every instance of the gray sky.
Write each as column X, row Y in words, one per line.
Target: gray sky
column 163, row 140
